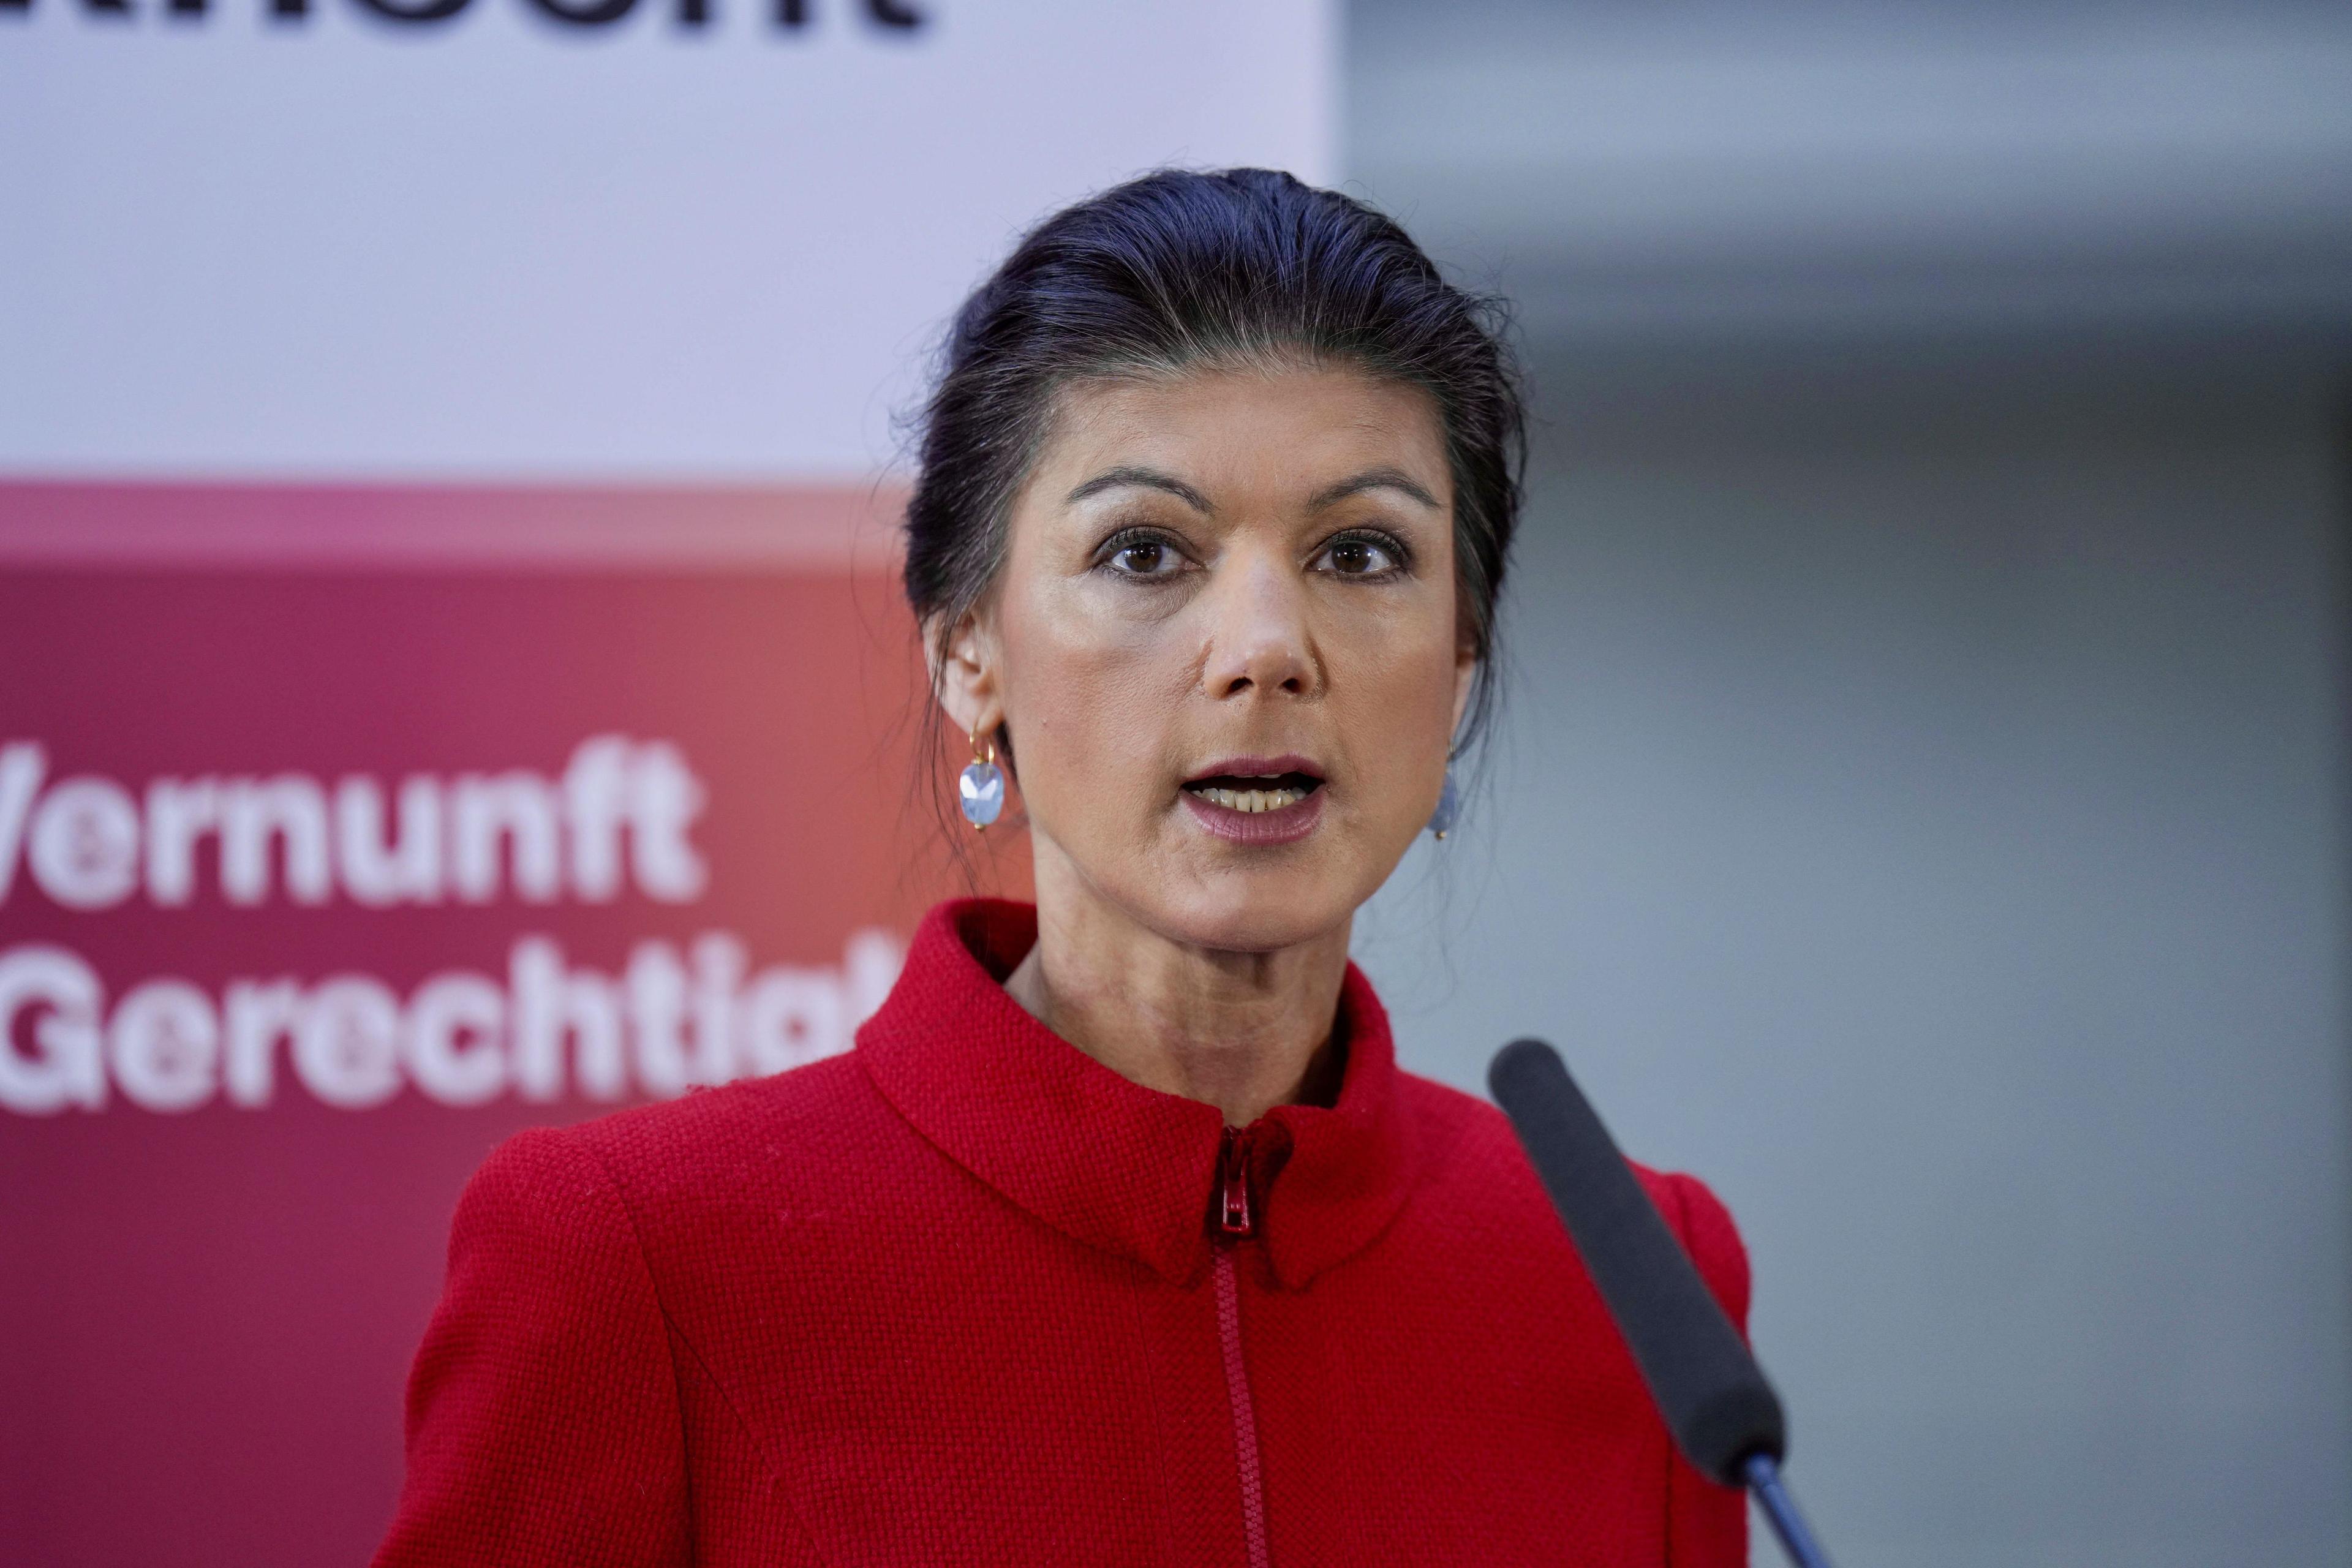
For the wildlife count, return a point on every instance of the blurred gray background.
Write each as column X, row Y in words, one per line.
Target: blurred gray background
column 1920, row 807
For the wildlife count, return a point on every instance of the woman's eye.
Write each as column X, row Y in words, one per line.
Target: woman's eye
column 1146, row 558
column 1360, row 557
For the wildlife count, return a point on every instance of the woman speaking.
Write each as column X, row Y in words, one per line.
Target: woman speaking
column 1119, row 1238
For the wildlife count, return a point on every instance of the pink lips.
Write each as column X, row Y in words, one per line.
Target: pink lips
column 1259, row 767
column 1287, row 826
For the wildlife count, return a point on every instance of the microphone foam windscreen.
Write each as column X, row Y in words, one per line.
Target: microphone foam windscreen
column 1706, row 1385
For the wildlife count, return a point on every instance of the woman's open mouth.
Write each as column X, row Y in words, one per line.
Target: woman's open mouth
column 1255, row 795
column 1252, row 799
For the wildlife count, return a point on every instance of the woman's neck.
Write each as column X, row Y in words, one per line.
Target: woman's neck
column 1242, row 1031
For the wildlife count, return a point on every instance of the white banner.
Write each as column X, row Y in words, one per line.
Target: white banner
column 562, row 239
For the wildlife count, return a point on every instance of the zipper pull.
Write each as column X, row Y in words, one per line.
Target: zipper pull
column 1235, row 1215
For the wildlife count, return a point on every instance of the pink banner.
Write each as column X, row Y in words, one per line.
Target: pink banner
column 380, row 824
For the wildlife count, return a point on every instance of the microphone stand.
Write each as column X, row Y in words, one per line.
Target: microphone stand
column 1796, row 1536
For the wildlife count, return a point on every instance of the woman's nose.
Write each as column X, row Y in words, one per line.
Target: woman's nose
column 1258, row 636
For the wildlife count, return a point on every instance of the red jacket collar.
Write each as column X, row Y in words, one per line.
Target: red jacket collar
column 1104, row 1160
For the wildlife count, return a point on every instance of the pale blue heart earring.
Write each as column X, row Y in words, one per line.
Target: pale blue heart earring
column 982, row 785
column 1449, row 805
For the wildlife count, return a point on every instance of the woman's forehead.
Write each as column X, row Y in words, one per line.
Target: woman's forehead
column 1292, row 427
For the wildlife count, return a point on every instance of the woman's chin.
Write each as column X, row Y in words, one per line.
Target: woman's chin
column 1261, row 909
column 1203, row 891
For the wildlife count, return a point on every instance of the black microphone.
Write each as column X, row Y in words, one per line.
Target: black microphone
column 1724, row 1415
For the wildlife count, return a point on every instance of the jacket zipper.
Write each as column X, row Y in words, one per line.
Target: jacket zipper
column 1237, row 1219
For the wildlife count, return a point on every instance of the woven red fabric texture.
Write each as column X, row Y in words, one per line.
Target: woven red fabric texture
column 951, row 1298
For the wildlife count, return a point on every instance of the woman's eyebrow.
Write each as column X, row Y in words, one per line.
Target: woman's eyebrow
column 1375, row 479
column 1146, row 478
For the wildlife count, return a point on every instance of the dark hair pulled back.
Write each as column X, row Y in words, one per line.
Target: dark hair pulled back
column 1177, row 270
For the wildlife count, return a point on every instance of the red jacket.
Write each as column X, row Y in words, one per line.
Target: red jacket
column 964, row 1296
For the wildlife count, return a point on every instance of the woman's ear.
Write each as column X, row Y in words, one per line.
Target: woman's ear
column 963, row 676
column 1465, row 675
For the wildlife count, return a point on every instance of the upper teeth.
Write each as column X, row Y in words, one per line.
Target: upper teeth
column 1253, row 799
